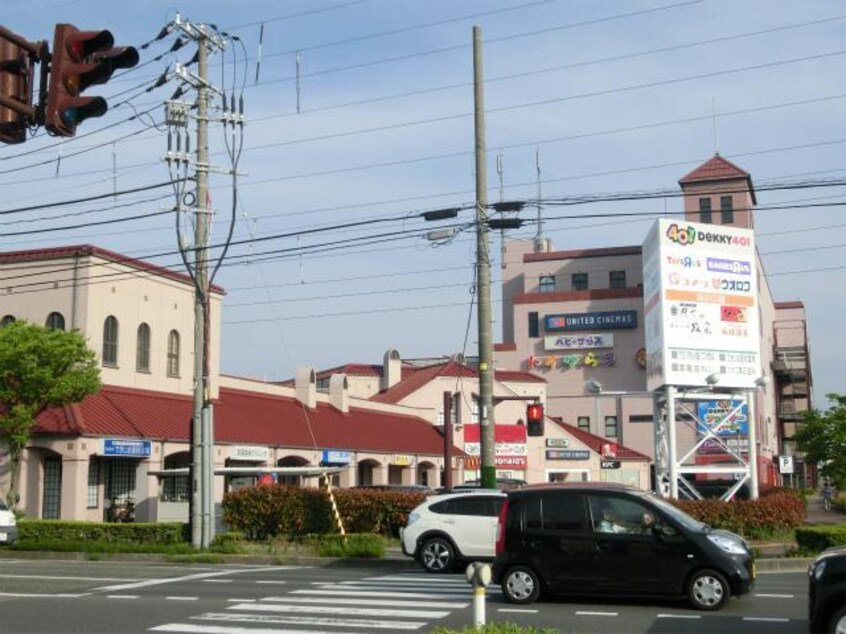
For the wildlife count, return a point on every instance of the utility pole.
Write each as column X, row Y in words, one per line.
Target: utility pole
column 487, row 435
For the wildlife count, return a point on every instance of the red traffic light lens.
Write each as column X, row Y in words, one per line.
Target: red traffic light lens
column 534, row 412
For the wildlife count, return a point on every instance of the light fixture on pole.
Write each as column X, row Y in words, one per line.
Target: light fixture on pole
column 595, row 388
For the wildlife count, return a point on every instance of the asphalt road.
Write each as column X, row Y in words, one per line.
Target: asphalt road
column 64, row 597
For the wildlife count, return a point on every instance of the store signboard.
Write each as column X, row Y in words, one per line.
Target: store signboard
column 336, row 457
column 578, row 341
column 509, row 444
column 700, row 305
column 723, row 418
column 607, row 320
column 255, row 454
column 567, row 454
column 127, row 448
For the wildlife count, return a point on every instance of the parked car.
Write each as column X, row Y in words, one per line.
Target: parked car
column 446, row 529
column 502, row 484
column 827, row 592
column 403, row 488
column 8, row 524
column 611, row 540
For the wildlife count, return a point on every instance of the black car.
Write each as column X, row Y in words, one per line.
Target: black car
column 612, row 540
column 827, row 592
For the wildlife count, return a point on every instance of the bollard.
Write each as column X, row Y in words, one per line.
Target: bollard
column 478, row 575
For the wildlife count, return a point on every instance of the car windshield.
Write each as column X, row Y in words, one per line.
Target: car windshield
column 675, row 513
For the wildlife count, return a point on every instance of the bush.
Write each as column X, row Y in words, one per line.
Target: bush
column 815, row 539
column 356, row 545
column 293, row 512
column 34, row 530
column 756, row 519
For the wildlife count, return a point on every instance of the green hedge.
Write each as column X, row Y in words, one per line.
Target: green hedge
column 817, row 538
column 764, row 517
column 292, row 512
column 125, row 533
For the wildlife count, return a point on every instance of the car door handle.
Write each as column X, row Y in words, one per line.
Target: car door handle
column 449, row 521
column 535, row 544
column 603, row 544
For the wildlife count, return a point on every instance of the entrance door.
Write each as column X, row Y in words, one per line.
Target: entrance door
column 51, row 500
column 120, row 490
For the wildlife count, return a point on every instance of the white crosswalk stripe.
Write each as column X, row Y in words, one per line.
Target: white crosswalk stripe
column 396, row 602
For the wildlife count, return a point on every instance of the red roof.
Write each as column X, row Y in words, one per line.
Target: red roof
column 715, row 168
column 54, row 253
column 595, row 442
column 423, row 376
column 243, row 417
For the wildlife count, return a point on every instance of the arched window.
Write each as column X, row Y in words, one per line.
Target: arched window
column 8, row 319
column 173, row 353
column 55, row 321
column 142, row 353
column 110, row 341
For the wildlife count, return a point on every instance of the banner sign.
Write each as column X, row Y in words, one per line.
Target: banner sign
column 567, row 454
column 714, row 417
column 127, row 448
column 502, row 462
column 608, row 320
column 578, row 342
column 334, row 456
column 738, row 444
column 509, row 445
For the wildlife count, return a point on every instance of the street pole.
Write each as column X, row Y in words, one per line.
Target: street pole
column 200, row 436
column 483, row 276
column 447, row 481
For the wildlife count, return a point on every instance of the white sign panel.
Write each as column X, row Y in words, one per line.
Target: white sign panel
column 245, row 452
column 701, row 309
column 785, row 464
column 578, row 341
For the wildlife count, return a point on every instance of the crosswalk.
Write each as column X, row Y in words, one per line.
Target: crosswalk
column 389, row 603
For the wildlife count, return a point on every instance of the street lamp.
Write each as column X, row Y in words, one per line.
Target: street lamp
column 595, row 388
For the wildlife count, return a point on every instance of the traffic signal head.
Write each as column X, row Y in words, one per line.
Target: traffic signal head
column 534, row 419
column 80, row 59
column 16, row 72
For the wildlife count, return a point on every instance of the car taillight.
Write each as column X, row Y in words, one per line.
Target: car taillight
column 500, row 528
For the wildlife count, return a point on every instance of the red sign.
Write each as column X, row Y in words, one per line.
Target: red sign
column 502, row 433
column 509, row 446
column 502, row 462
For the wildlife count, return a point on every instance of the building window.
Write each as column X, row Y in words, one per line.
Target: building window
column 7, row 319
column 617, row 279
column 142, row 355
column 55, row 321
column 534, row 325
column 176, row 488
column 705, row 210
column 173, row 353
column 51, row 500
column 641, row 418
column 583, row 422
column 726, row 209
column 580, row 281
column 93, row 483
column 547, row 284
column 474, row 409
column 611, row 426
column 110, row 341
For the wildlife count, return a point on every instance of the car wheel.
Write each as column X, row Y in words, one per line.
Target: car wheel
column 837, row 622
column 437, row 555
column 708, row 590
column 521, row 585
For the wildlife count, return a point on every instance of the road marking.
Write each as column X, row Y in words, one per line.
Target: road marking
column 765, row 619
column 186, row 628
column 679, row 616
column 239, row 600
column 217, row 580
column 379, row 602
column 122, row 596
column 182, row 598
column 517, row 610
column 369, row 624
column 56, row 578
column 157, row 582
column 466, row 590
column 326, row 609
column 586, row 613
column 393, row 595
column 775, row 596
column 40, row 595
column 272, row 582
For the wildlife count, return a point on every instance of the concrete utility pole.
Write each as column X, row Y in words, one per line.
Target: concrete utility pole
column 483, row 277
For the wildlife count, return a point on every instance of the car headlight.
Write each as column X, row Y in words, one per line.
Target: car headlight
column 818, row 570
column 412, row 517
column 727, row 544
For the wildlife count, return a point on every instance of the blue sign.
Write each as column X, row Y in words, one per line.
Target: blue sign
column 334, row 456
column 128, row 448
column 712, row 413
column 609, row 320
column 567, row 454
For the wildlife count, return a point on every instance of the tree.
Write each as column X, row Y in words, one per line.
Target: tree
column 39, row 368
column 823, row 439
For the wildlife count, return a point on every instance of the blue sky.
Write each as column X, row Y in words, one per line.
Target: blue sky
column 611, row 96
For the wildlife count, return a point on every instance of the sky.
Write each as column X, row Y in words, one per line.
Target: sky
column 359, row 118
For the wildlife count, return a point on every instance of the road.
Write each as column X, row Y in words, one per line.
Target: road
column 108, row 597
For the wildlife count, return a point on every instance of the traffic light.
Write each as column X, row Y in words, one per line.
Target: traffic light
column 534, row 419
column 80, row 59
column 16, row 72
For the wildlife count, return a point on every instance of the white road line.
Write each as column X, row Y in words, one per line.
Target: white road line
column 775, row 596
column 157, row 582
column 239, row 600
column 182, row 598
column 185, row 628
column 327, row 609
column 271, row 582
column 467, row 591
column 122, row 596
column 679, row 616
column 217, row 580
column 518, row 611
column 587, row 613
column 41, row 595
column 369, row 624
column 392, row 595
column 379, row 602
column 766, row 619
column 56, row 578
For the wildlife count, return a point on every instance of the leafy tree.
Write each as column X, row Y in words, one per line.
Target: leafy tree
column 39, row 368
column 823, row 439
